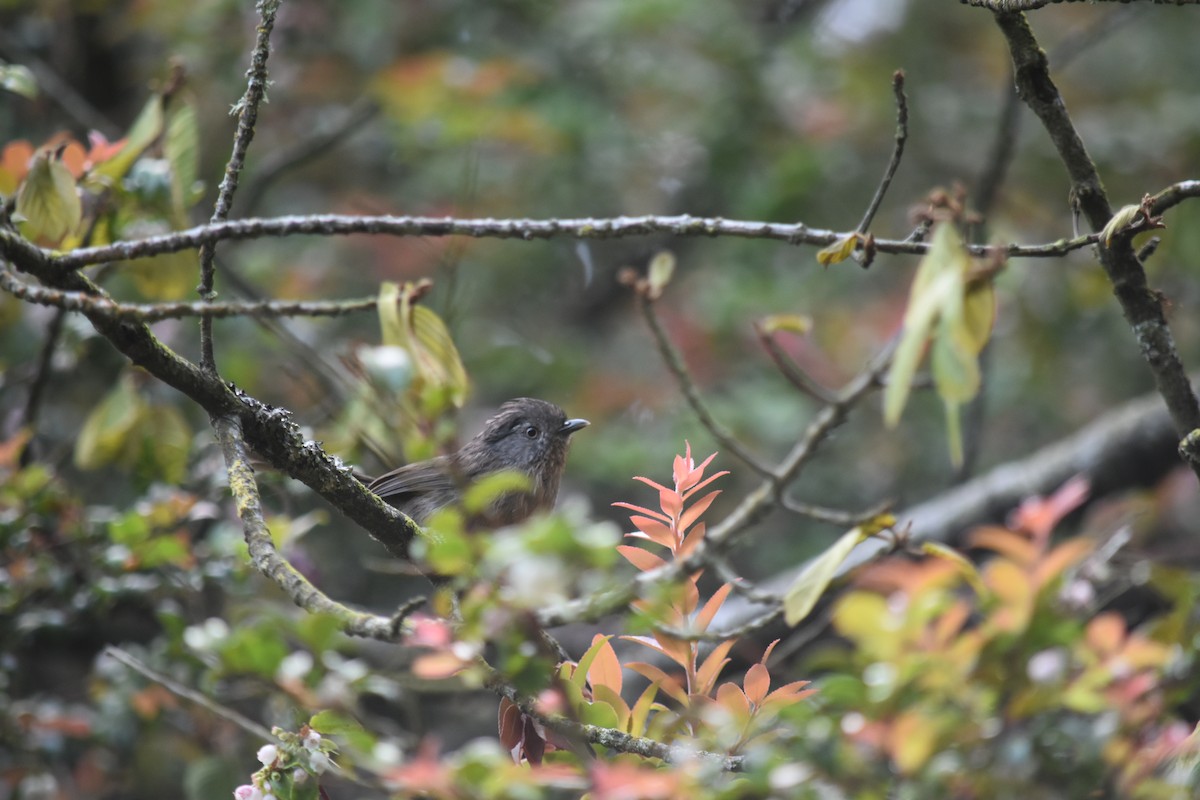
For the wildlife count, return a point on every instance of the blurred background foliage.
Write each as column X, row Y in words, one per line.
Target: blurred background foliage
column 775, row 110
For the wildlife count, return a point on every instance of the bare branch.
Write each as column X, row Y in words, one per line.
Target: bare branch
column 524, row 229
column 153, row 312
column 187, row 693
column 1142, row 306
column 897, row 151
column 247, row 108
column 675, row 363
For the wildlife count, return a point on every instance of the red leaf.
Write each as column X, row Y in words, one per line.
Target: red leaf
column 509, row 723
column 693, row 538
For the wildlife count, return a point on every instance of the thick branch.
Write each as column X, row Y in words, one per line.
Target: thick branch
column 1143, row 308
column 269, row 431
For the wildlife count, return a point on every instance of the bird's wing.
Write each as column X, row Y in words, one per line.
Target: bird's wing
column 411, row 479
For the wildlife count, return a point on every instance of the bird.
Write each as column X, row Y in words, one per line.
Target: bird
column 526, row 435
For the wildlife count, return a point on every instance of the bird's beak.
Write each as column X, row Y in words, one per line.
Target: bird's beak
column 572, row 425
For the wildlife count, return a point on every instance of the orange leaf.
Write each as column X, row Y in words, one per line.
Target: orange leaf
column 667, row 684
column 707, row 675
column 642, row 559
column 655, row 531
column 1060, row 558
column 757, row 683
column 651, row 483
column 671, row 502
column 696, row 509
column 606, row 668
column 644, row 510
column 702, row 620
column 705, row 482
column 1106, row 633
column 1003, row 541
column 693, row 538
column 732, row 698
column 789, row 693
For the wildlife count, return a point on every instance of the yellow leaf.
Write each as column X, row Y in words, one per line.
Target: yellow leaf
column 816, row 577
column 659, row 273
column 840, row 250
column 1120, row 220
column 791, row 323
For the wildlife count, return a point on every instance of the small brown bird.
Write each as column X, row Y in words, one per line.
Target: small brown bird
column 526, row 435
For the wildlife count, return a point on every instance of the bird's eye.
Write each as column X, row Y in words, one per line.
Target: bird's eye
column 531, row 432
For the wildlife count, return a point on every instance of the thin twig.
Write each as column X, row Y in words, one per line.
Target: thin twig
column 247, row 108
column 608, row 737
column 187, row 693
column 834, row 516
column 304, row 149
column 791, row 370
column 33, row 403
column 1031, row 5
column 154, row 312
column 674, row 362
column 897, row 151
column 76, row 106
column 752, row 508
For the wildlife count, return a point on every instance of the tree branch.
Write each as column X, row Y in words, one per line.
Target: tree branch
column 524, row 229
column 154, row 312
column 247, row 108
column 1143, row 308
column 268, row 430
column 897, row 151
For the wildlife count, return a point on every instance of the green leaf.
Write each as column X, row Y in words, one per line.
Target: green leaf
column 480, row 494
column 108, row 429
column 181, row 146
column 817, row 575
column 48, row 202
column 423, row 335
column 579, row 678
column 145, row 130
column 18, row 79
column 167, row 441
column 937, row 286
